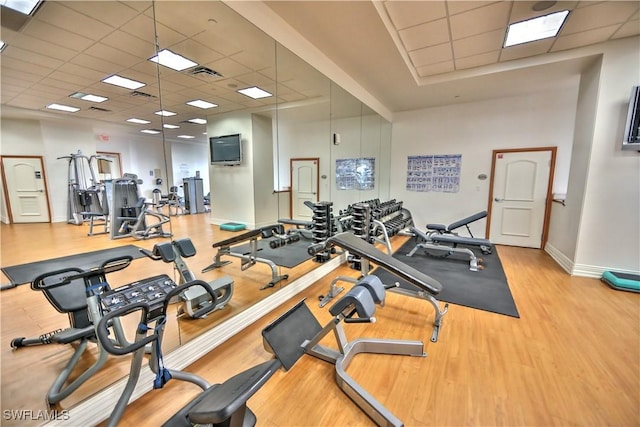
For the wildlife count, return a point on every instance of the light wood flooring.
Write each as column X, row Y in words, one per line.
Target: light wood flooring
column 572, row 358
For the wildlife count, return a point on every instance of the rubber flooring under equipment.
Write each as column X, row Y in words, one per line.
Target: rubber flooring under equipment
column 288, row 255
column 26, row 273
column 486, row 289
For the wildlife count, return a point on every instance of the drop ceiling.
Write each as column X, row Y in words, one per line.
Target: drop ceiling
column 408, row 55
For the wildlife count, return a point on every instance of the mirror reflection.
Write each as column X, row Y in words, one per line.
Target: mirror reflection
column 302, row 144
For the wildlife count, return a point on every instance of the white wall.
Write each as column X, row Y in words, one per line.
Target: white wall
column 186, row 160
column 266, row 201
column 474, row 130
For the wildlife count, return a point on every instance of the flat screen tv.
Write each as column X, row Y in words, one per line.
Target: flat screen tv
column 631, row 139
column 226, row 150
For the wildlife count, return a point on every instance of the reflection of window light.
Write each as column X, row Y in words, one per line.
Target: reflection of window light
column 123, row 82
column 534, row 29
column 172, row 60
column 61, row 107
column 197, row 121
column 23, row 6
column 255, row 92
column 201, row 104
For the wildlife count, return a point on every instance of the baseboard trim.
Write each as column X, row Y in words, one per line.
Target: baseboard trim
column 562, row 260
column 98, row 407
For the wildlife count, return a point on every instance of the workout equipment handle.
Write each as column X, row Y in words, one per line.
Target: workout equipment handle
column 103, row 329
column 359, row 320
column 150, row 254
column 204, row 310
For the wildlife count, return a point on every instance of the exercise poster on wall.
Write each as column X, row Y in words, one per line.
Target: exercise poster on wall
column 438, row 173
column 356, row 174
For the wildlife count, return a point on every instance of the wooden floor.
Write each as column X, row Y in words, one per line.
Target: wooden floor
column 572, row 358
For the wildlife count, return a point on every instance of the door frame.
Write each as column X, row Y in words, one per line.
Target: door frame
column 6, row 189
column 549, row 199
column 293, row 159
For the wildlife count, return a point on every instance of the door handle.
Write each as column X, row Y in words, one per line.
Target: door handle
column 497, row 199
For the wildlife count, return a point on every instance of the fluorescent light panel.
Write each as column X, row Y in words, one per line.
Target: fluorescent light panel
column 2, row 45
column 255, row 92
column 150, row 131
column 197, row 121
column 534, row 29
column 172, row 60
column 61, row 107
column 165, row 113
column 201, row 104
column 138, row 121
column 22, row 6
column 168, row 126
column 123, row 82
column 88, row 97
column 186, row 136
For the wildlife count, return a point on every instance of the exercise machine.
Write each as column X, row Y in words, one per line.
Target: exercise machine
column 247, row 259
column 194, row 298
column 148, row 299
column 298, row 332
column 87, row 199
column 422, row 286
column 75, row 292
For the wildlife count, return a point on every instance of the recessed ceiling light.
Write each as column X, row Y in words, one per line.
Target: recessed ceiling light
column 139, row 121
column 534, row 29
column 255, row 92
column 186, row 136
column 61, row 107
column 23, row 6
column 150, row 131
column 172, row 60
column 165, row 113
column 201, row 104
column 88, row 97
column 197, row 121
column 168, row 126
column 123, row 82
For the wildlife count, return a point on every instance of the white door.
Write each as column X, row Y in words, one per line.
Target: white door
column 520, row 188
column 26, row 188
column 304, row 187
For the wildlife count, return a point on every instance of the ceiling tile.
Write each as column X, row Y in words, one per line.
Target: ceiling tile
column 424, row 35
column 599, row 15
column 229, row 68
column 631, row 28
column 84, row 72
column 405, row 14
column 486, row 42
column 42, row 47
column 35, row 59
column 477, row 21
column 19, row 66
column 431, row 55
column 58, row 15
column 523, row 10
column 71, row 78
column 113, row 55
column 196, row 51
column 477, row 60
column 129, row 43
column 112, row 13
column 431, row 70
column 584, row 38
column 526, row 49
column 98, row 64
column 56, row 35
column 458, row 6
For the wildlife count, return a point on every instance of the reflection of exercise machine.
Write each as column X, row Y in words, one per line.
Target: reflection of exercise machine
column 423, row 286
column 298, row 332
column 138, row 220
column 247, row 259
column 218, row 405
column 444, row 241
column 196, row 297
column 75, row 292
column 87, row 199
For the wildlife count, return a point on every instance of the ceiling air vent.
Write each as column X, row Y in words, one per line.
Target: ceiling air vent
column 104, row 110
column 204, row 71
column 142, row 94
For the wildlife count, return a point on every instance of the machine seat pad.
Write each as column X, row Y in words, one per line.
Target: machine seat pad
column 437, row 227
column 218, row 403
column 356, row 246
column 70, row 335
column 467, row 220
column 185, row 247
column 452, row 238
column 165, row 251
column 360, row 299
column 237, row 239
column 375, row 287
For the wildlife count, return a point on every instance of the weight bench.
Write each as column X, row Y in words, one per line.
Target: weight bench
column 441, row 228
column 425, row 286
column 449, row 244
column 298, row 332
column 249, row 259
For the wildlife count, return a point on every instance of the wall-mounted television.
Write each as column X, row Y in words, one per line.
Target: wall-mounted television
column 226, row 150
column 631, row 139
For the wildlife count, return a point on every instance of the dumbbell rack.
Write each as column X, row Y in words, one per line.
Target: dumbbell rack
column 361, row 226
column 323, row 227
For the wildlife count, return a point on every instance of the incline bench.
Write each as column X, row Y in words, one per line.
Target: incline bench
column 426, row 287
